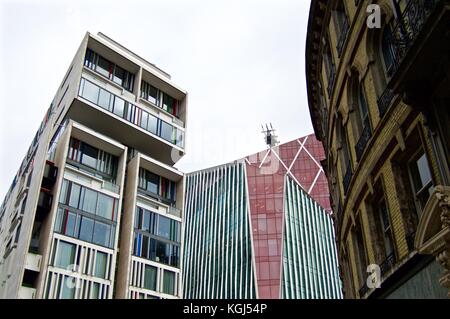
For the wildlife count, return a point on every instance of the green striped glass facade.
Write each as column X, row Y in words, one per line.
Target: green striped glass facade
column 310, row 264
column 217, row 260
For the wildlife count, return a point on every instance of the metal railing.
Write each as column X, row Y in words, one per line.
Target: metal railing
column 362, row 141
column 387, row 264
column 402, row 36
column 408, row 27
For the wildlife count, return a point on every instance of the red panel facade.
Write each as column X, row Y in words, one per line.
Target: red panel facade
column 265, row 176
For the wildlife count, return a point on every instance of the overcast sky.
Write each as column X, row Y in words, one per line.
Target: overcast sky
column 242, row 63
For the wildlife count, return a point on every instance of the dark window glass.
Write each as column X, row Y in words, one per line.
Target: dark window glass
column 146, row 221
column 104, row 67
column 152, row 182
column 175, row 257
column 119, row 75
column 63, row 195
column 421, row 178
column 162, row 252
column 168, row 103
column 153, row 95
column 144, row 250
column 89, row 155
column 164, row 227
column 138, row 218
column 169, row 282
column 101, row 234
column 86, row 229
column 150, row 277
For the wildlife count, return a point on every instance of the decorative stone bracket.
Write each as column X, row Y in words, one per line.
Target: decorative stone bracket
column 433, row 232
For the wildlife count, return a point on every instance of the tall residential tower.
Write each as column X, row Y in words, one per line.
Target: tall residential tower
column 97, row 179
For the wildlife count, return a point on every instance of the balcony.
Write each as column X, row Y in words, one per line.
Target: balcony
column 362, row 142
column 27, row 292
column 44, row 204
column 347, row 178
column 127, row 123
column 33, row 262
column 50, row 173
column 419, row 51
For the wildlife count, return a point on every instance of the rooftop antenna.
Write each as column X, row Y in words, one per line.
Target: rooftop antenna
column 269, row 135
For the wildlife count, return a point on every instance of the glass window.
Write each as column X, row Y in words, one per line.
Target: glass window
column 164, row 227
column 63, row 195
column 168, row 103
column 68, row 287
column 59, row 220
column 119, row 106
column 95, row 289
column 162, row 252
column 145, row 240
column 90, row 91
column 146, row 221
column 175, row 257
column 119, row 75
column 70, row 224
column 153, row 95
column 152, row 182
column 138, row 218
column 105, row 206
column 421, row 178
column 101, row 234
column 89, row 155
column 150, row 277
column 74, row 195
column 105, row 100
column 65, row 255
column 100, row 264
column 169, row 282
column 104, row 67
column 86, row 229
column 89, row 200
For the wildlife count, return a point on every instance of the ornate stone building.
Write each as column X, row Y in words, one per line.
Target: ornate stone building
column 379, row 102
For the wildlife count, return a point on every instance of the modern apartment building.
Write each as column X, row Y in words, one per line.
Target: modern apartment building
column 95, row 209
column 379, row 102
column 261, row 227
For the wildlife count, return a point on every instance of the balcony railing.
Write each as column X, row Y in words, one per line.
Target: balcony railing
column 408, row 27
column 363, row 140
column 130, row 112
column 157, row 197
column 342, row 36
column 387, row 264
column 347, row 177
column 401, row 38
column 385, row 101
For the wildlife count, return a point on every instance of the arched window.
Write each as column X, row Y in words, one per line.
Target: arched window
column 386, row 51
